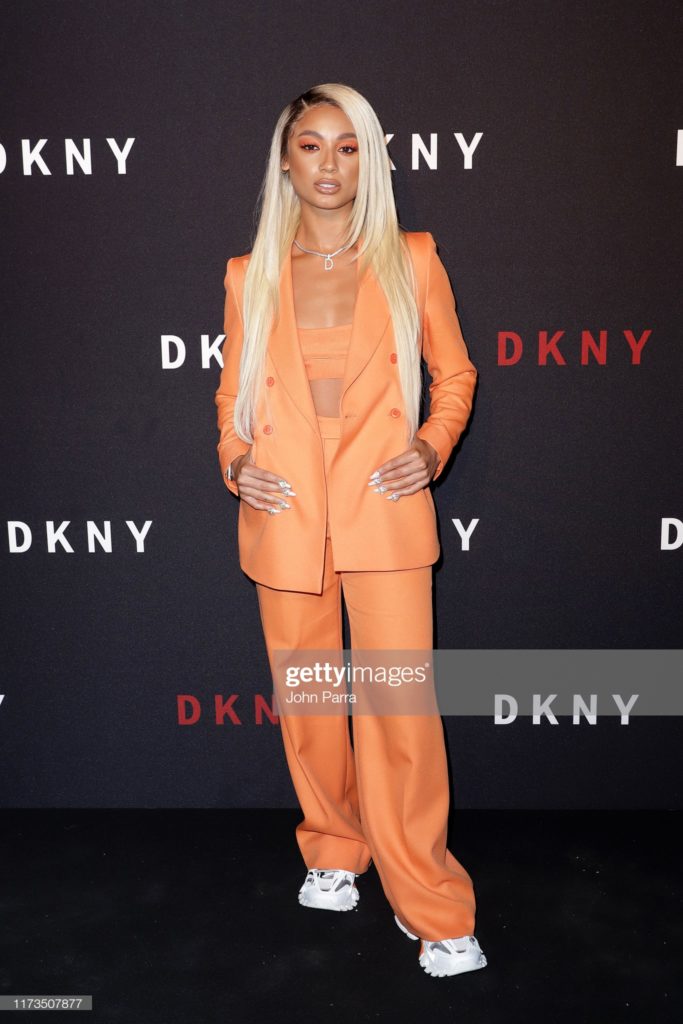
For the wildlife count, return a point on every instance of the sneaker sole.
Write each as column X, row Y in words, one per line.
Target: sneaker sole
column 462, row 969
column 315, row 902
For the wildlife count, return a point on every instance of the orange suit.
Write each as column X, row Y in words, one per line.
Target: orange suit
column 287, row 551
column 386, row 797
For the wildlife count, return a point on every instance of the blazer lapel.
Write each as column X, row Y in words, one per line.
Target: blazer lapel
column 371, row 317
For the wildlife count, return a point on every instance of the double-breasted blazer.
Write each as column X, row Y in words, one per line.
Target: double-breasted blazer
column 368, row 532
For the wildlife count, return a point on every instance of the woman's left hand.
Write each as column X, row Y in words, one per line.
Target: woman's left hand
column 408, row 472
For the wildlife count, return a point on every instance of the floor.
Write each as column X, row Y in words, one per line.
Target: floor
column 192, row 916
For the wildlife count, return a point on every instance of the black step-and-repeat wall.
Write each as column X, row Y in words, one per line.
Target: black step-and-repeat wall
column 542, row 145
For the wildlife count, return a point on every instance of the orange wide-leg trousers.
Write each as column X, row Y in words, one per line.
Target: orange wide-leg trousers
column 386, row 798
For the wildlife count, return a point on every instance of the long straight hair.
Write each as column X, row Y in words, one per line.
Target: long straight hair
column 373, row 220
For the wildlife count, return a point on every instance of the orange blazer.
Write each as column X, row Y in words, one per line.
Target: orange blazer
column 286, row 551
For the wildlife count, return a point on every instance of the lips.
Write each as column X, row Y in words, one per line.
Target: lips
column 327, row 185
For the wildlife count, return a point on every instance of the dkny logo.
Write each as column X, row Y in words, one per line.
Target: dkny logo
column 20, row 536
column 506, row 708
column 32, row 155
column 546, row 348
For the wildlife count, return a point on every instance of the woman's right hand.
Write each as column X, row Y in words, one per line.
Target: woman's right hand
column 259, row 487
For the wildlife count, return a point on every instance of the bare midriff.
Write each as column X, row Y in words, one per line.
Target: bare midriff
column 324, row 351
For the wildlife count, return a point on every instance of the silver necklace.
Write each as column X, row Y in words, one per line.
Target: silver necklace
column 327, row 256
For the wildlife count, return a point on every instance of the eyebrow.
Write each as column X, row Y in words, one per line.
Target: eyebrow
column 344, row 135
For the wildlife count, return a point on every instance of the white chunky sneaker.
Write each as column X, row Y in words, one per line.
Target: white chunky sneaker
column 448, row 956
column 329, row 890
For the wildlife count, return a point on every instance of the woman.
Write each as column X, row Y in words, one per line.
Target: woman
column 318, row 409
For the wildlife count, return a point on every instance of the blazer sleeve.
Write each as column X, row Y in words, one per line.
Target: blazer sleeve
column 229, row 444
column 453, row 374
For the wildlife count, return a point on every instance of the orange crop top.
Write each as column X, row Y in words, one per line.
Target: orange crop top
column 324, row 350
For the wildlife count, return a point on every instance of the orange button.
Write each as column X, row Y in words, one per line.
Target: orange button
column 267, row 429
column 395, row 412
column 270, row 381
column 393, row 357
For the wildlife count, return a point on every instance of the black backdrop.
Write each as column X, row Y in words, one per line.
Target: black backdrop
column 568, row 220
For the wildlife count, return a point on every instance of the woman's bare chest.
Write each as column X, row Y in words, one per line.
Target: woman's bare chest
column 323, row 298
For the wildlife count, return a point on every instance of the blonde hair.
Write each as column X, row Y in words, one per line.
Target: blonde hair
column 382, row 246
